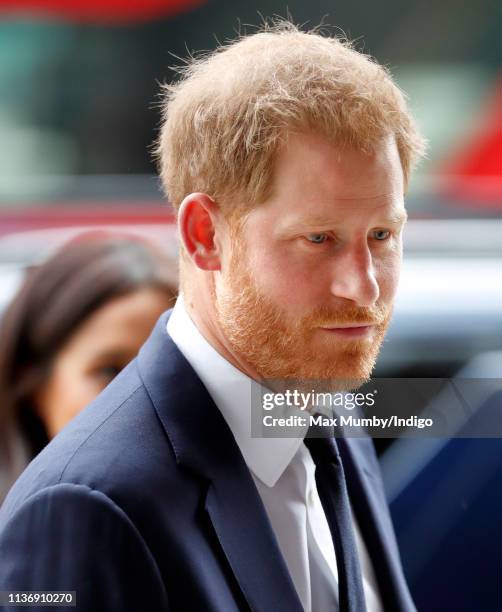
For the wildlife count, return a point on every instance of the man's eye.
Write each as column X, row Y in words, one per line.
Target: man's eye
column 317, row 238
column 381, row 234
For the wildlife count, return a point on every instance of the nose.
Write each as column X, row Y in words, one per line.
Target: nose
column 353, row 276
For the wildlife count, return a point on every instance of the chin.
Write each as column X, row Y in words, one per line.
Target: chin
column 346, row 373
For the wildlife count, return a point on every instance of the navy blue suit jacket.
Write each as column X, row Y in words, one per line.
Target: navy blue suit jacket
column 144, row 502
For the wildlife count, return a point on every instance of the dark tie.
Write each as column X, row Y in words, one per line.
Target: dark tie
column 330, row 481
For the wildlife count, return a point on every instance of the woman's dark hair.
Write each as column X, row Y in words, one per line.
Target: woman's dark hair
column 55, row 298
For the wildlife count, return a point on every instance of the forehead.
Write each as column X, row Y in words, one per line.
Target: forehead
column 136, row 311
column 315, row 177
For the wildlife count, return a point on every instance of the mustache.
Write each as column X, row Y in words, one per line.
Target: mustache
column 327, row 316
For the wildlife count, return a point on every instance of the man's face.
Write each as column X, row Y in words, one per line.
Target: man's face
column 322, row 253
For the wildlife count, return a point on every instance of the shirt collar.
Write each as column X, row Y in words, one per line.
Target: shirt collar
column 231, row 391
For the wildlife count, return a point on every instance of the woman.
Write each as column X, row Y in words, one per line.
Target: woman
column 76, row 322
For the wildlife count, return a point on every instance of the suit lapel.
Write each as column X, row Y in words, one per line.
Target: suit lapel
column 203, row 443
column 368, row 500
column 245, row 535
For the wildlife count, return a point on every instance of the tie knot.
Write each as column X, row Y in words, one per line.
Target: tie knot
column 321, row 443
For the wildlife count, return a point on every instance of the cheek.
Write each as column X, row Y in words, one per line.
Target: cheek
column 287, row 280
column 79, row 387
column 278, row 270
column 69, row 390
column 387, row 272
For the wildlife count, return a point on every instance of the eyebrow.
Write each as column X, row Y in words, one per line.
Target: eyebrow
column 398, row 217
column 395, row 218
column 112, row 355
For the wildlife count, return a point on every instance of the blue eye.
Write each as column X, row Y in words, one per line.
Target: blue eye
column 381, row 234
column 317, row 238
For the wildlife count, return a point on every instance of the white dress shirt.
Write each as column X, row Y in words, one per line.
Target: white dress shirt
column 284, row 474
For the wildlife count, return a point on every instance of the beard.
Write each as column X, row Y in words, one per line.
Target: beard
column 281, row 349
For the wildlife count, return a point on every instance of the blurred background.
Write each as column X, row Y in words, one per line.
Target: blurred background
column 79, row 84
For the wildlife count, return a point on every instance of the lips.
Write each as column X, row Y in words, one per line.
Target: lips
column 348, row 326
column 351, row 331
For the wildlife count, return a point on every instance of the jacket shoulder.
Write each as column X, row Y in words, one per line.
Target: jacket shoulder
column 68, row 527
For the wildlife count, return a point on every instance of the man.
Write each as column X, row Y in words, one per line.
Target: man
column 286, row 156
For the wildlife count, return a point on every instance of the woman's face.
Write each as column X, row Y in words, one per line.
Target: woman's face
column 100, row 347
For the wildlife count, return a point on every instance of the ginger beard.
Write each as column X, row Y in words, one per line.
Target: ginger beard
column 279, row 347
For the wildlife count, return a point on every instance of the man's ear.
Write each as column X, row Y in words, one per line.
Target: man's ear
column 197, row 217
